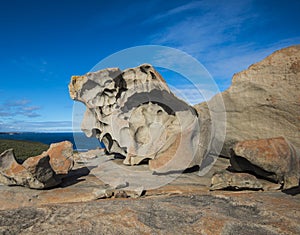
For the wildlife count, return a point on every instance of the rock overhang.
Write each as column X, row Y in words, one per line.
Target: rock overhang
column 135, row 114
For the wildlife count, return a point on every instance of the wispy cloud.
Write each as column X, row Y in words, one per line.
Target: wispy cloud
column 31, row 108
column 13, row 108
column 193, row 93
column 176, row 10
column 15, row 103
column 213, row 23
column 4, row 113
column 239, row 57
column 43, row 126
column 186, row 77
column 217, row 34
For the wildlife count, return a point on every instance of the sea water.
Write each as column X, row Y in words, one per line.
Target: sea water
column 78, row 139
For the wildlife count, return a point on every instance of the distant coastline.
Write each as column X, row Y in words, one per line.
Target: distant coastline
column 78, row 139
column 10, row 133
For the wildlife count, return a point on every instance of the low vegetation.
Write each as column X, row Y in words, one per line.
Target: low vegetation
column 23, row 149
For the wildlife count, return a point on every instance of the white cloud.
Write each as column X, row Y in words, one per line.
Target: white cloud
column 235, row 58
column 13, row 108
column 174, row 11
column 193, row 93
column 14, row 103
column 42, row 126
column 31, row 108
column 215, row 23
column 212, row 34
column 203, row 34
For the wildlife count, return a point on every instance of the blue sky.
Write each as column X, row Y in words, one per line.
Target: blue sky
column 44, row 42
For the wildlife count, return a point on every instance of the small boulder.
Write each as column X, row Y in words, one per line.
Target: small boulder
column 121, row 194
column 235, row 181
column 37, row 176
column 274, row 159
column 61, row 159
column 39, row 167
column 39, row 172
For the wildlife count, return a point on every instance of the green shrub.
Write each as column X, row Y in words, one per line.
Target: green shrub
column 23, row 149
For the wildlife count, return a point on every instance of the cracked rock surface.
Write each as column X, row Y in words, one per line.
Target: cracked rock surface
column 177, row 214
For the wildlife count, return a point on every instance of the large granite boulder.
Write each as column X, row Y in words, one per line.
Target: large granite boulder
column 39, row 172
column 273, row 159
column 134, row 113
column 268, row 164
column 36, row 173
column 262, row 101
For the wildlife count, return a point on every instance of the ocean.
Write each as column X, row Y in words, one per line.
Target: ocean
column 78, row 139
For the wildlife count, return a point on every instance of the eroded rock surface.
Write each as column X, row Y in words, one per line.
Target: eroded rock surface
column 36, row 173
column 235, row 181
column 267, row 164
column 61, row 157
column 134, row 114
column 184, row 206
column 85, row 157
column 260, row 214
column 262, row 101
column 39, row 172
column 274, row 159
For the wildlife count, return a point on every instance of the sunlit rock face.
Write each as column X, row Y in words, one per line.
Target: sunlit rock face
column 262, row 102
column 38, row 172
column 134, row 113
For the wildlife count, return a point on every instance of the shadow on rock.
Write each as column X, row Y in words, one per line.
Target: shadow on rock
column 292, row 191
column 75, row 175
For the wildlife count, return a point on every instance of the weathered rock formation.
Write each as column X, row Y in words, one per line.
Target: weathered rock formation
column 61, row 157
column 262, row 102
column 268, row 164
column 43, row 171
column 38, row 176
column 136, row 115
column 185, row 206
column 274, row 159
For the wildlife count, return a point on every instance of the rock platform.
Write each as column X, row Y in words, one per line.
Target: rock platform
column 184, row 206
